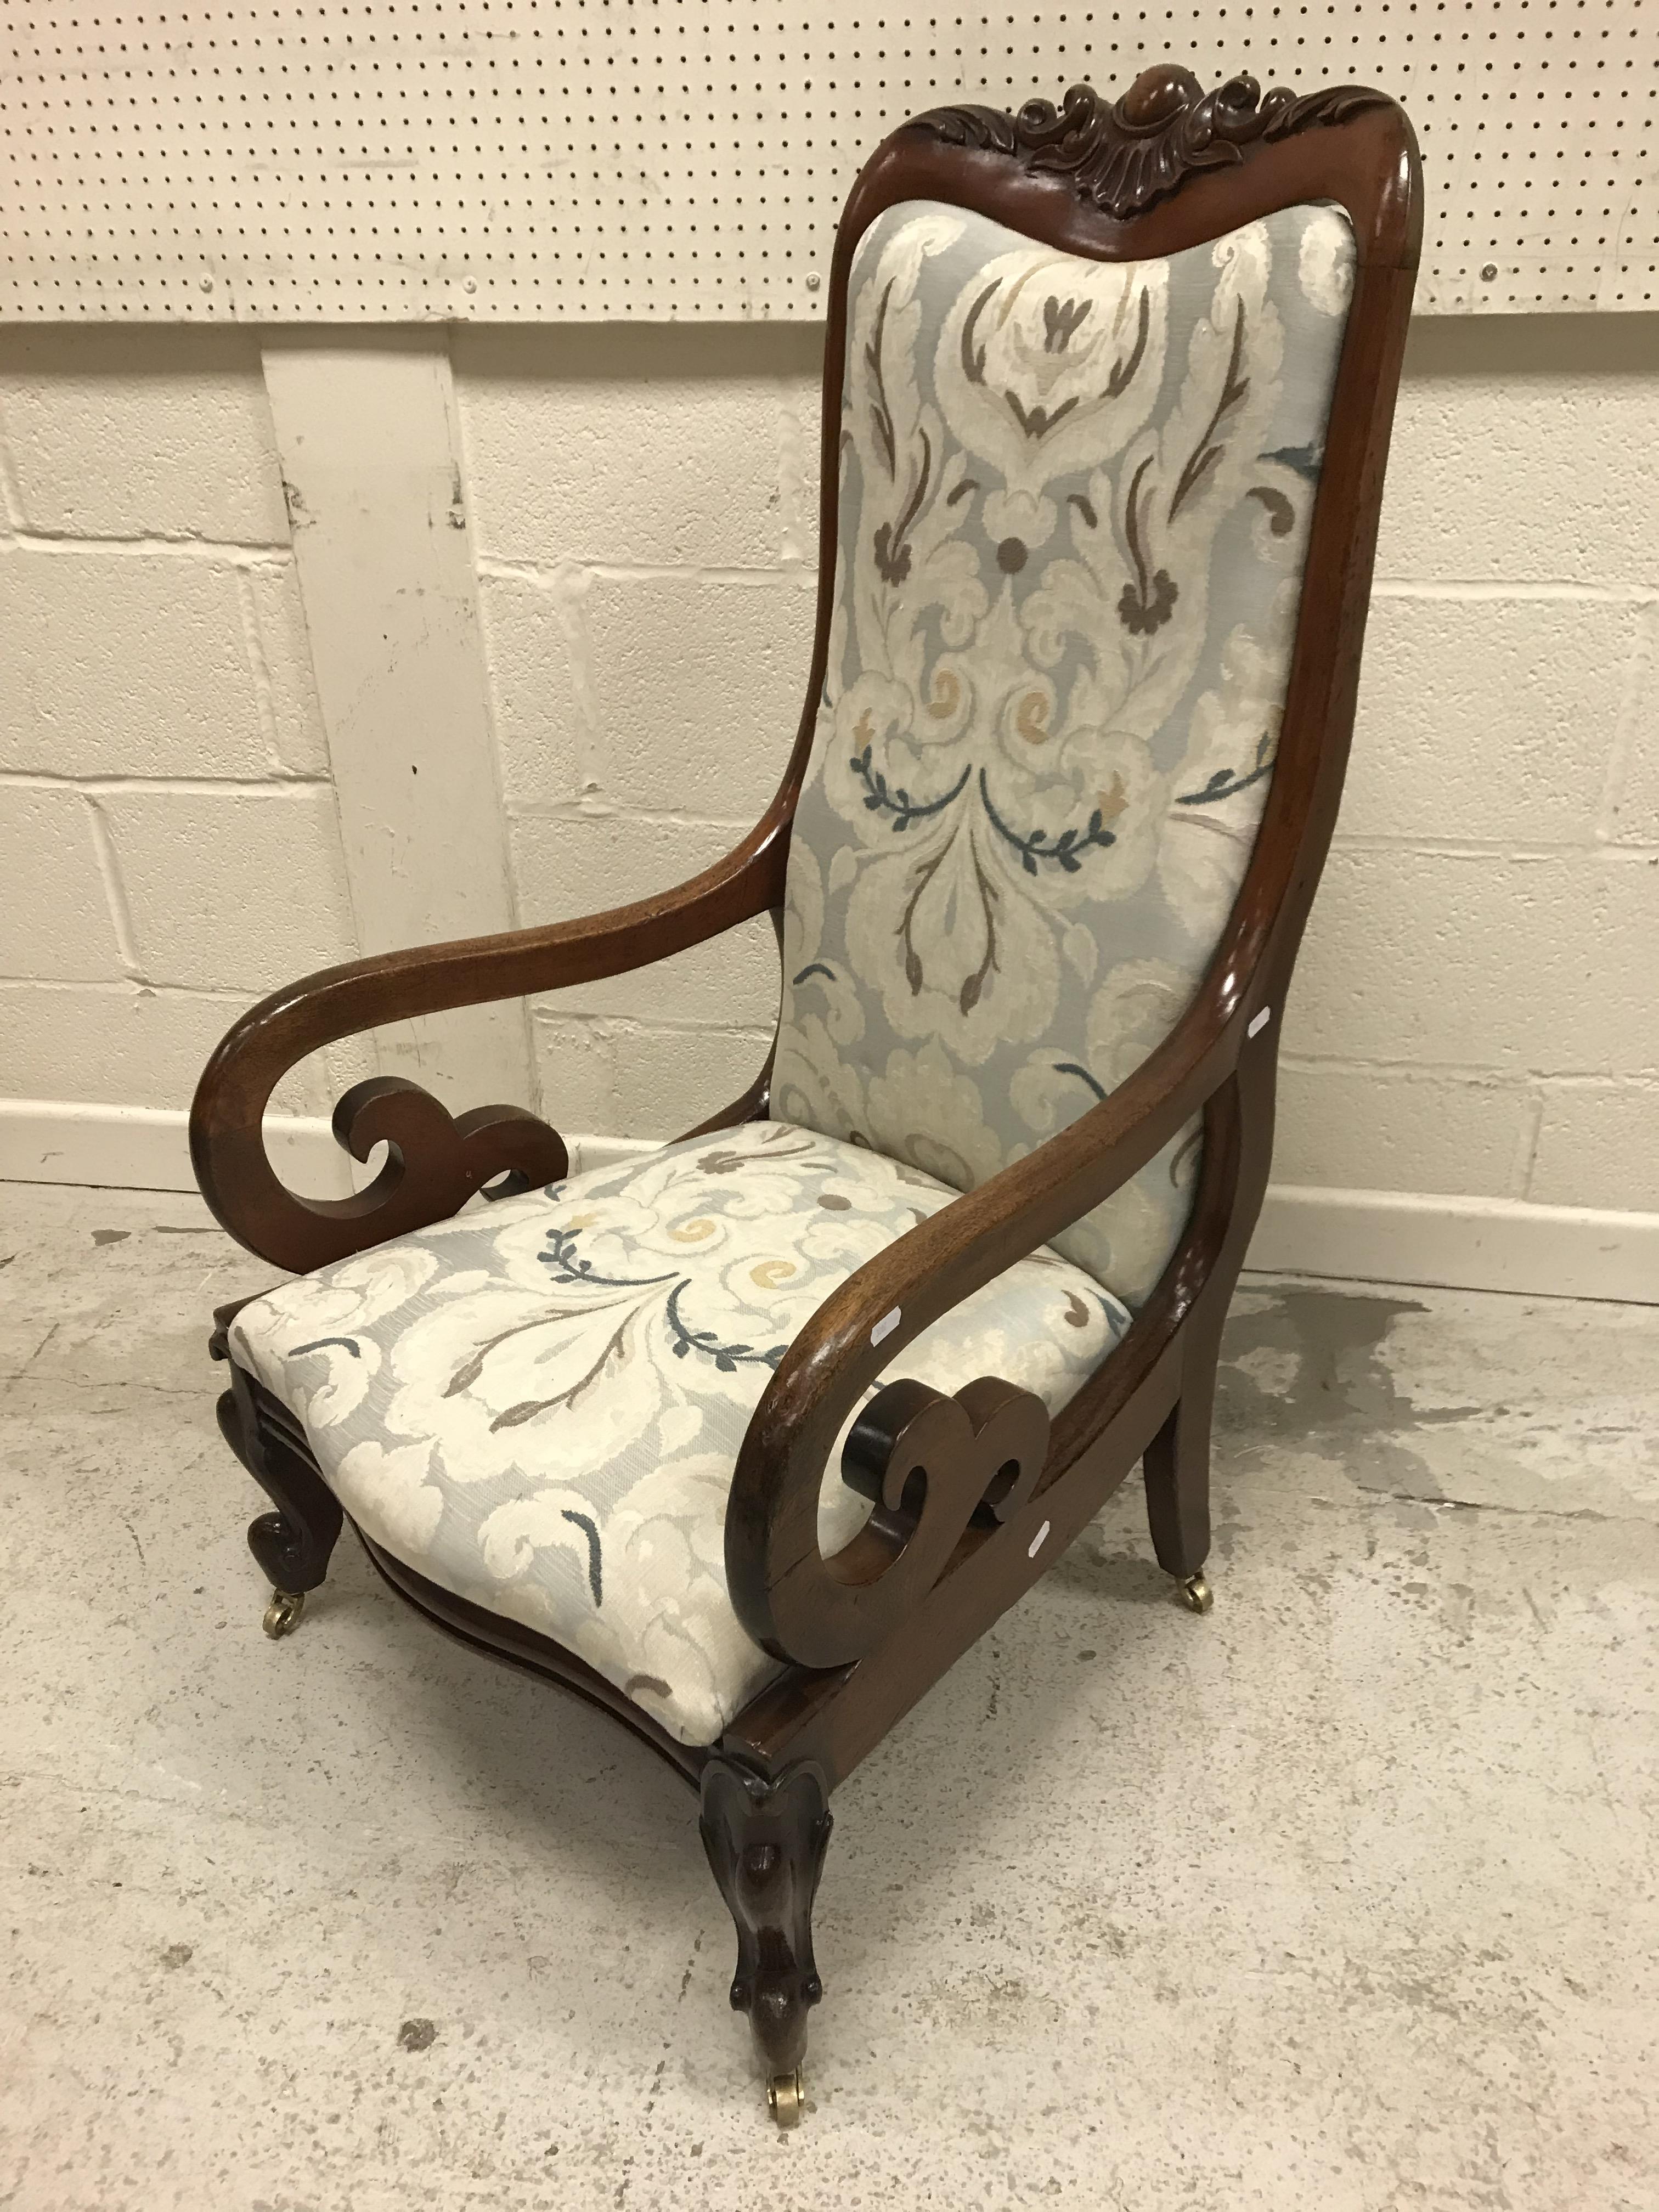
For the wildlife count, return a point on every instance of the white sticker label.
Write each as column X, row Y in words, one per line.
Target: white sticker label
column 1259, row 1022
column 885, row 1326
column 1039, row 1539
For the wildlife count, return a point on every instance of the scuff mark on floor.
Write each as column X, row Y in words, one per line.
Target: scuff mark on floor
column 691, row 1964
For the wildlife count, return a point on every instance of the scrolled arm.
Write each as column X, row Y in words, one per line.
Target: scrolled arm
column 824, row 1613
column 434, row 1161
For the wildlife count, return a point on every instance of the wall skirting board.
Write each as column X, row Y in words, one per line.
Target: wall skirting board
column 1361, row 1236
column 148, row 1147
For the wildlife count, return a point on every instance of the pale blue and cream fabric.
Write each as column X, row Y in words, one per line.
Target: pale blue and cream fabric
column 1074, row 505
column 539, row 1405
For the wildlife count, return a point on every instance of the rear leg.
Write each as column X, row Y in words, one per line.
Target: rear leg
column 1177, row 1470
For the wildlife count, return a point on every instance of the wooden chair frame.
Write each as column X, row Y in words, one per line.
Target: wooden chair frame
column 975, row 1496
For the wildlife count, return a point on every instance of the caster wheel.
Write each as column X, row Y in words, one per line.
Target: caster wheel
column 1196, row 1593
column 784, row 2097
column 282, row 1613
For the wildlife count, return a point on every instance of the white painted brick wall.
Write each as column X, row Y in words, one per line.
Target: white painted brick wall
column 1460, row 730
column 1360, row 1127
column 168, row 436
column 533, row 643
column 58, row 925
column 1531, row 963
column 1475, row 1012
column 1633, row 786
column 647, row 445
column 571, row 866
column 168, row 845
column 1597, row 1144
column 121, row 1044
column 186, row 861
column 1484, row 949
column 151, row 661
column 714, row 740
column 645, row 507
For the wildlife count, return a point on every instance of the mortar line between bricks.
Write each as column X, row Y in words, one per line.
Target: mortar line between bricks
column 574, row 812
column 254, row 553
column 1621, row 753
column 1485, row 1077
column 11, row 494
column 1479, row 1078
column 232, row 995
column 1473, row 587
column 796, row 534
column 115, row 893
column 558, row 575
column 544, row 1008
column 1476, row 848
column 1647, row 1079
column 598, row 809
column 180, row 786
column 253, row 644
column 1525, row 1163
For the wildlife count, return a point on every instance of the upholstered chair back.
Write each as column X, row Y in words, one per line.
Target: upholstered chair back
column 1073, row 507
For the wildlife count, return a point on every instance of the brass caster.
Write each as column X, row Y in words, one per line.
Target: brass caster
column 1196, row 1593
column 282, row 1613
column 784, row 2095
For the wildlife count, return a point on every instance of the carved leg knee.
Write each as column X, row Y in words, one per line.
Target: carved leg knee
column 293, row 1543
column 766, row 1840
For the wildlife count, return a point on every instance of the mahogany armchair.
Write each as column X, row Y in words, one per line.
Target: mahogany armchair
column 746, row 1441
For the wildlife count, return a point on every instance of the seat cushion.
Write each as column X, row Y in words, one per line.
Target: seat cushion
column 540, row 1404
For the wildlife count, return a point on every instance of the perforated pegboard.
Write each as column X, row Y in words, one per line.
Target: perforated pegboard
column 533, row 159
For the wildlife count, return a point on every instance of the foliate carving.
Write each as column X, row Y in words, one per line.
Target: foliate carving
column 931, row 1467
column 434, row 1162
column 439, row 1161
column 766, row 1839
column 1122, row 154
column 975, row 1457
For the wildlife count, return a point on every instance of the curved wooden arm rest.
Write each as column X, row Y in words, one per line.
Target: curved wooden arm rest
column 983, row 1451
column 434, row 1161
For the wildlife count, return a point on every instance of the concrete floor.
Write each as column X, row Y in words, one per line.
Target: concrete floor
column 1341, row 1897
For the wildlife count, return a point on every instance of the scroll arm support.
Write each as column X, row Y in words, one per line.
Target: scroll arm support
column 436, row 1161
column 930, row 1464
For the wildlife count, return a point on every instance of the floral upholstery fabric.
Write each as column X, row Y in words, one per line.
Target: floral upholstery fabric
column 1074, row 504
column 539, row 1405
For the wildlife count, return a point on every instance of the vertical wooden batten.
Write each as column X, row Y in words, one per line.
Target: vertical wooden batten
column 369, row 445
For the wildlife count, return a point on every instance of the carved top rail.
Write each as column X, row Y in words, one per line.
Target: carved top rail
column 1122, row 154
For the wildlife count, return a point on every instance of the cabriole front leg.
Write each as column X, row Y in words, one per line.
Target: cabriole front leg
column 293, row 1543
column 766, row 1839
